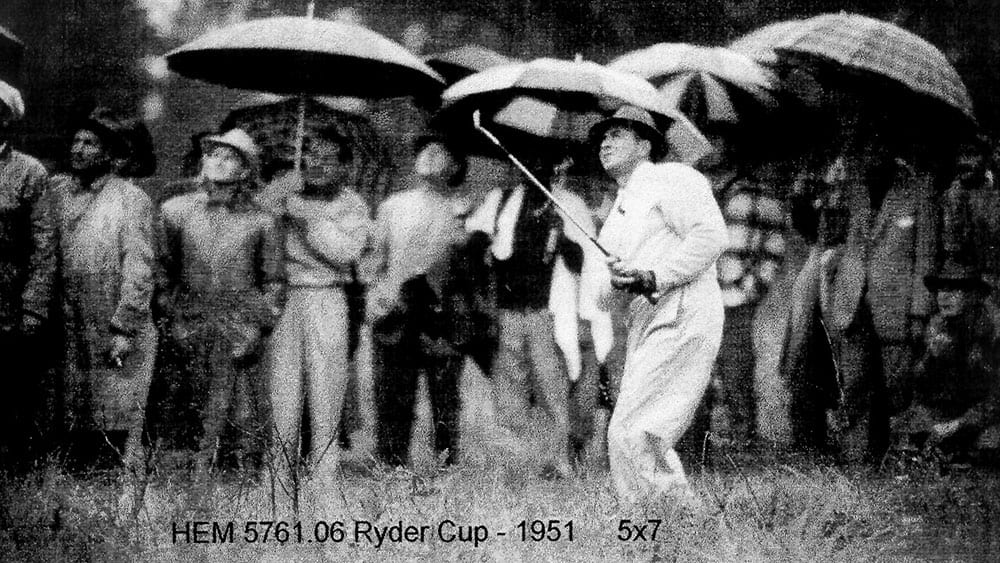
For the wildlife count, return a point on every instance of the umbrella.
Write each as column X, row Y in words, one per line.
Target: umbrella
column 705, row 83
column 560, row 99
column 868, row 45
column 302, row 55
column 468, row 59
column 295, row 55
column 759, row 44
column 11, row 51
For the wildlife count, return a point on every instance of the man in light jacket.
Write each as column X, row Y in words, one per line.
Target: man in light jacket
column 665, row 233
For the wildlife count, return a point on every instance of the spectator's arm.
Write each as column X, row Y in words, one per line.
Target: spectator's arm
column 137, row 263
column 37, row 292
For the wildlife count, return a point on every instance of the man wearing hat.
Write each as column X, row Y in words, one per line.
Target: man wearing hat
column 665, row 232
column 27, row 267
column 221, row 256
column 106, row 282
column 956, row 382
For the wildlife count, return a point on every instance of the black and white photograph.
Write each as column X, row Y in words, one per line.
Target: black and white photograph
column 502, row 281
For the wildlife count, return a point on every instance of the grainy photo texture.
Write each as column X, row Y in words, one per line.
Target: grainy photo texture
column 612, row 280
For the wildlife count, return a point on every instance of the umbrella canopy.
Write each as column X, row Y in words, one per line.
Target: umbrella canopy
column 561, row 99
column 664, row 61
column 869, row 45
column 759, row 44
column 298, row 55
column 456, row 64
column 11, row 51
column 708, row 84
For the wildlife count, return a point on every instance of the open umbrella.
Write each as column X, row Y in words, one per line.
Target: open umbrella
column 867, row 45
column 759, row 44
column 302, row 55
column 560, row 99
column 11, row 51
column 707, row 84
column 458, row 63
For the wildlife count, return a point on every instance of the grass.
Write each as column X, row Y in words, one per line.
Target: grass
column 771, row 507
column 777, row 513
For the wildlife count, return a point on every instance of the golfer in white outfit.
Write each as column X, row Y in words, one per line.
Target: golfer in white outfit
column 665, row 232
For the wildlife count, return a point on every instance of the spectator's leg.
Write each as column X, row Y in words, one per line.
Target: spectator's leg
column 443, row 378
column 553, row 386
column 285, row 387
column 395, row 370
column 736, row 364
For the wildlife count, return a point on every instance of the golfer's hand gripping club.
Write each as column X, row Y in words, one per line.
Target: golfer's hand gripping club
column 651, row 294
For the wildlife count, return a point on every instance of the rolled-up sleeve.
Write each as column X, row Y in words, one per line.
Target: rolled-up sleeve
column 684, row 198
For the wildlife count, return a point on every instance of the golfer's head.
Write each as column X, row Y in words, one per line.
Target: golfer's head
column 626, row 140
column 622, row 150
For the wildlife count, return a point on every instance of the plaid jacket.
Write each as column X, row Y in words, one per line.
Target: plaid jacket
column 756, row 223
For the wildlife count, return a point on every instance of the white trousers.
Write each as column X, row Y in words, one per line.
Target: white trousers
column 670, row 353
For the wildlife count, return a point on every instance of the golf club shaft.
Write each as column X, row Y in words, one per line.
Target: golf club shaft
column 538, row 184
column 653, row 297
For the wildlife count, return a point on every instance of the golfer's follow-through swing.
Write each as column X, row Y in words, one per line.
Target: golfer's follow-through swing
column 476, row 120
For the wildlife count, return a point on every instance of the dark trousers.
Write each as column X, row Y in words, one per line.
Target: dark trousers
column 874, row 375
column 732, row 386
column 27, row 409
column 734, row 369
column 398, row 361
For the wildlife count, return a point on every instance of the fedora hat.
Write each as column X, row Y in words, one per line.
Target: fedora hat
column 238, row 140
column 638, row 120
column 11, row 98
column 953, row 275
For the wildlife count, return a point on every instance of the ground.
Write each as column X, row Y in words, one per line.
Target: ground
column 771, row 506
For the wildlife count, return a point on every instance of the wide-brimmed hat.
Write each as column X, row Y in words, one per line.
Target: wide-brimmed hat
column 953, row 275
column 638, row 120
column 238, row 140
column 11, row 98
column 109, row 127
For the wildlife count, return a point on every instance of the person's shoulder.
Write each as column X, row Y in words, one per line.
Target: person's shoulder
column 183, row 202
column 353, row 199
column 132, row 193
column 31, row 165
column 673, row 174
column 61, row 182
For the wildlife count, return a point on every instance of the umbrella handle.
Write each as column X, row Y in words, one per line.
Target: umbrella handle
column 300, row 132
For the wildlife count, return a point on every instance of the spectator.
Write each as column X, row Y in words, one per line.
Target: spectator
column 107, row 260
column 419, row 306
column 327, row 226
column 957, row 379
column 527, row 237
column 27, row 268
column 222, row 257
